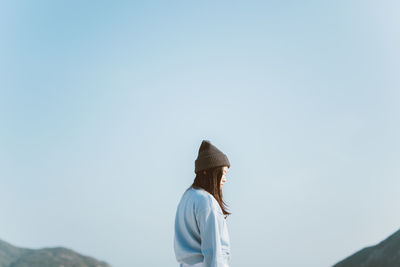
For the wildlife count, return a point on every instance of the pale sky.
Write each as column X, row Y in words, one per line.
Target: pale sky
column 104, row 104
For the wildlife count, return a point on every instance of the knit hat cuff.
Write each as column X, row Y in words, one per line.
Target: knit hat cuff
column 211, row 161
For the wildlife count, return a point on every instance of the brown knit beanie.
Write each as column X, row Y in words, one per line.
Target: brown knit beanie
column 209, row 156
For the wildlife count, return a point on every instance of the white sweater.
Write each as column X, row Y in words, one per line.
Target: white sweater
column 201, row 233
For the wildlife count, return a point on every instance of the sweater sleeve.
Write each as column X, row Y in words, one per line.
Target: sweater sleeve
column 210, row 224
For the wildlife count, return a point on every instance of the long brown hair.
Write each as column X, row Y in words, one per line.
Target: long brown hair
column 210, row 181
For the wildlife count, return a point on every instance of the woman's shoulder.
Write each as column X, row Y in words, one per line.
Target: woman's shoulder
column 203, row 199
column 198, row 193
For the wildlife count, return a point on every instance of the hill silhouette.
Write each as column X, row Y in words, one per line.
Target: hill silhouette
column 12, row 256
column 384, row 254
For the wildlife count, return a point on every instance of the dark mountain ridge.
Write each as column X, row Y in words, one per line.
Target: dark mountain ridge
column 12, row 256
column 384, row 254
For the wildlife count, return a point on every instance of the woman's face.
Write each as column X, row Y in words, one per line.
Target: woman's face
column 223, row 179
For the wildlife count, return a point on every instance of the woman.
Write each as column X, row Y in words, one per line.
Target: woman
column 201, row 234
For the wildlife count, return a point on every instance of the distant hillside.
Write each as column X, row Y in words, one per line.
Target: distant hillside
column 384, row 254
column 11, row 256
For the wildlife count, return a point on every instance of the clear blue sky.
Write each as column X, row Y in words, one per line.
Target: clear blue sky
column 103, row 105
